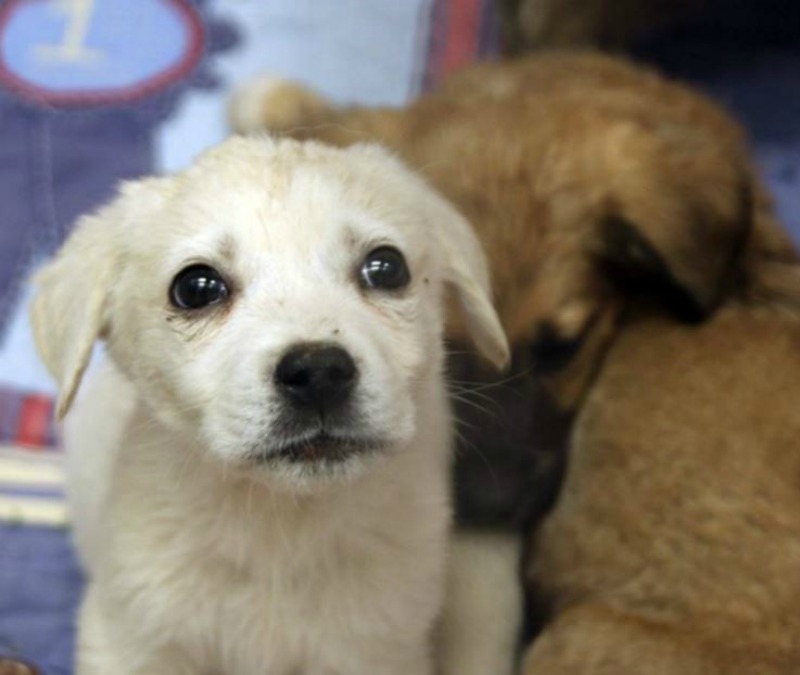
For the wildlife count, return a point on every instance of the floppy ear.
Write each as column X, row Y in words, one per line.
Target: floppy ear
column 675, row 229
column 70, row 308
column 659, row 214
column 467, row 272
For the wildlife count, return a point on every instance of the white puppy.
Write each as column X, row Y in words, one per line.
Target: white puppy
column 260, row 476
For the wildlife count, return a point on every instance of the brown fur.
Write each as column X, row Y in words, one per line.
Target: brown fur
column 675, row 545
column 638, row 266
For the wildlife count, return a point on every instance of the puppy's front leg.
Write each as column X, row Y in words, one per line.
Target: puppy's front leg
column 104, row 649
column 483, row 606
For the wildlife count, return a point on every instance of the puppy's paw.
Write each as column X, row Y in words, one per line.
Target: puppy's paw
column 269, row 102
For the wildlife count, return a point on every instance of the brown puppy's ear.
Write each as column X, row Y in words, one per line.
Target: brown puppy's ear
column 676, row 221
column 673, row 278
column 70, row 309
column 639, row 212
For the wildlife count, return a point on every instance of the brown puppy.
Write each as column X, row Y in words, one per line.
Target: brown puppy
column 638, row 268
column 675, row 544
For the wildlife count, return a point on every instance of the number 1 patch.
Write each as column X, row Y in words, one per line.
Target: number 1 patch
column 68, row 53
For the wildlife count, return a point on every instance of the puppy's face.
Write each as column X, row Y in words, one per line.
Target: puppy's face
column 278, row 302
column 293, row 323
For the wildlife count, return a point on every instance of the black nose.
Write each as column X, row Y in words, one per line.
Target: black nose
column 316, row 375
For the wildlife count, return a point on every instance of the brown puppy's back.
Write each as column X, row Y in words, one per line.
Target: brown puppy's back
column 675, row 545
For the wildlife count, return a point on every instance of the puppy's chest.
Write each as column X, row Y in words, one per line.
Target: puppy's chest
column 242, row 581
column 283, row 598
column 252, row 621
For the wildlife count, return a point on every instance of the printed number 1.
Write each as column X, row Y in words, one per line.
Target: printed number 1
column 72, row 48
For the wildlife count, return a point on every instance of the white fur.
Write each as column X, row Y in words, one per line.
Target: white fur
column 201, row 560
column 482, row 619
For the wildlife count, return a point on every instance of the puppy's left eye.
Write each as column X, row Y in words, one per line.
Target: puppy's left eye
column 385, row 268
column 197, row 286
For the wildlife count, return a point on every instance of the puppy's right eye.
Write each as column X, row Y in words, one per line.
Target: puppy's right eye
column 196, row 287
